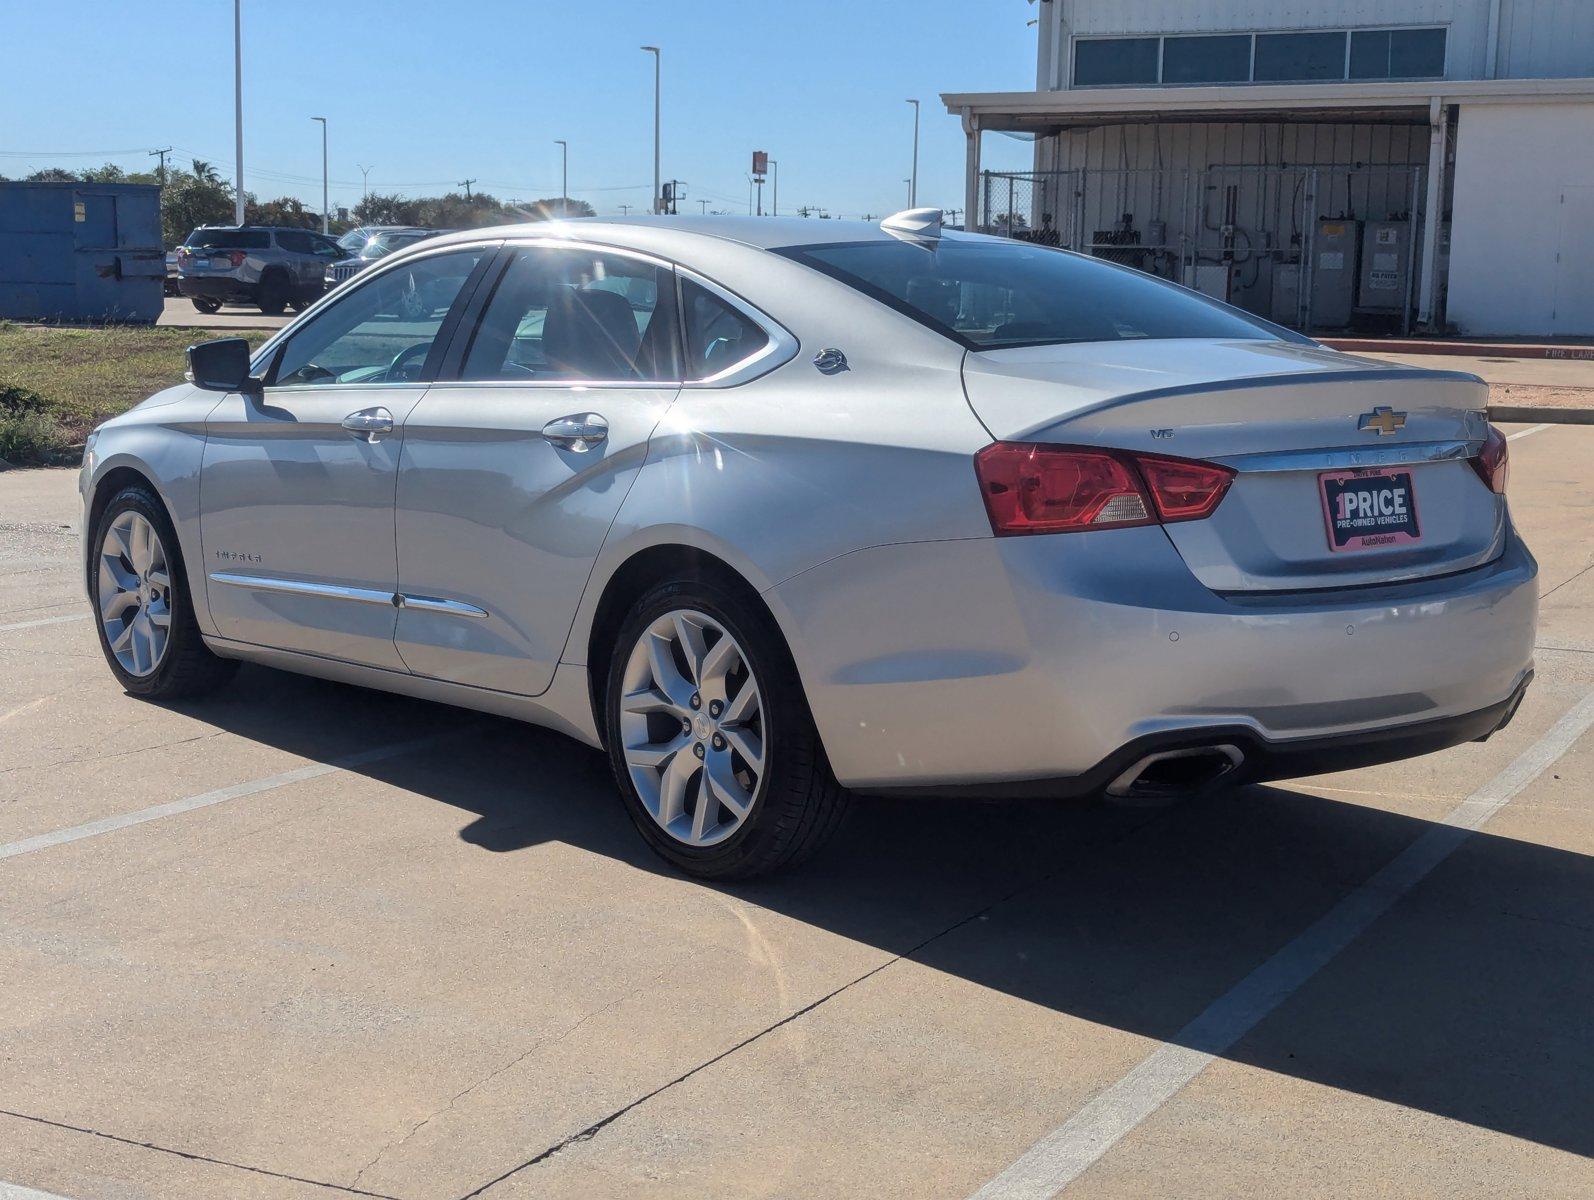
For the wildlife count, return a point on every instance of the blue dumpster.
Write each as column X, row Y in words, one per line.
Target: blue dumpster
column 81, row 252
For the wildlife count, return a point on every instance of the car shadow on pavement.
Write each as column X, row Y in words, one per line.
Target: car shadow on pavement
column 1470, row 999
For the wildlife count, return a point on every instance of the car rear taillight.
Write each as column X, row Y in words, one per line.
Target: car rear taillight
column 1035, row 488
column 1493, row 463
column 236, row 257
column 1184, row 490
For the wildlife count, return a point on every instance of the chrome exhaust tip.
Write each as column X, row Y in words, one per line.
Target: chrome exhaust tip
column 1177, row 772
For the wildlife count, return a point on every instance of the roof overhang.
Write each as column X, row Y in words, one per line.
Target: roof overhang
column 1384, row 103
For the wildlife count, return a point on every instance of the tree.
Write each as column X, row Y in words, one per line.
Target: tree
column 52, row 175
column 377, row 209
column 284, row 210
column 191, row 199
column 556, row 207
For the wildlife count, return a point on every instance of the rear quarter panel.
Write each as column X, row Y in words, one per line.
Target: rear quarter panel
column 797, row 467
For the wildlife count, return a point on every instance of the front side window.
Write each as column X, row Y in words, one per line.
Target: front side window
column 718, row 335
column 567, row 315
column 991, row 295
column 383, row 330
column 295, row 242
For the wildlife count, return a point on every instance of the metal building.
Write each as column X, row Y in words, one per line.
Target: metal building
column 80, row 252
column 1328, row 164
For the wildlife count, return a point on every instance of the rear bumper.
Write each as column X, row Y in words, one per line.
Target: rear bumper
column 218, row 287
column 1049, row 664
column 1263, row 759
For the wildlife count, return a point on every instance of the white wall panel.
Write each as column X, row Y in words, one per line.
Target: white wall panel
column 1516, row 261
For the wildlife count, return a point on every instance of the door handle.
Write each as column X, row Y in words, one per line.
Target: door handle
column 580, row 432
column 369, row 423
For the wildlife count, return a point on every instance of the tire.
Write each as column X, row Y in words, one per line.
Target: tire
column 181, row 666
column 790, row 800
column 272, row 295
column 205, row 304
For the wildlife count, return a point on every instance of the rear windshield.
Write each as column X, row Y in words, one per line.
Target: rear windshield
column 990, row 294
column 229, row 239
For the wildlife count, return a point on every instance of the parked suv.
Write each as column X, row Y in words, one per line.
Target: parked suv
column 268, row 267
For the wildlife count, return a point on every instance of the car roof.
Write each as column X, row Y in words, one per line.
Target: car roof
column 661, row 233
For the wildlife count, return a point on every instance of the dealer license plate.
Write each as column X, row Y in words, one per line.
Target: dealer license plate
column 1370, row 509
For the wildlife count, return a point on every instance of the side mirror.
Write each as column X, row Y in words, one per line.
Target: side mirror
column 221, row 366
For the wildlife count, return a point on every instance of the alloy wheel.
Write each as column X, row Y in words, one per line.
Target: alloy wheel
column 692, row 727
column 135, row 593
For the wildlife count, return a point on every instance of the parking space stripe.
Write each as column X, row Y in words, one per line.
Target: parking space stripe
column 77, row 833
column 43, row 621
column 1060, row 1157
column 1522, row 433
column 15, row 1191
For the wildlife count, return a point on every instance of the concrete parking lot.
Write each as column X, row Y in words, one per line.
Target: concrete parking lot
column 298, row 940
column 180, row 313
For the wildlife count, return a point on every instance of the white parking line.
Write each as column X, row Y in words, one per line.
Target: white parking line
column 1522, row 433
column 15, row 1191
column 35, row 624
column 77, row 833
column 1060, row 1157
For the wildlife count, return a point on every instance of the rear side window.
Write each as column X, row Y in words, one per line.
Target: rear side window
column 228, row 239
column 566, row 315
column 718, row 335
column 991, row 294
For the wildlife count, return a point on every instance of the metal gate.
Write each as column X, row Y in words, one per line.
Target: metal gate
column 1321, row 246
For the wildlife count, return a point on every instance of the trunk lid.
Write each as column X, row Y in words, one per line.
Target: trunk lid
column 1283, row 416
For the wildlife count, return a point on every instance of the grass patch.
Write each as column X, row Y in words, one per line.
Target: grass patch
column 72, row 379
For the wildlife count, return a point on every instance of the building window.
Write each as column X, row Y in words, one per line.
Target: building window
column 1298, row 57
column 1225, row 59
column 1397, row 54
column 1115, row 60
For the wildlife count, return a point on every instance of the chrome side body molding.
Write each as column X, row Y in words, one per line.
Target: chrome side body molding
column 330, row 591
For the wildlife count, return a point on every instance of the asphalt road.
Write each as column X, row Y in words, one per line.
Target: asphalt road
column 299, row 940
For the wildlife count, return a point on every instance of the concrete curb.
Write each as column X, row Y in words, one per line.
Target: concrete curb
column 1527, row 415
column 1470, row 349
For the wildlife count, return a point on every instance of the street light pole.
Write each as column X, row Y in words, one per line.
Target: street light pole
column 324, row 222
column 564, row 177
column 774, row 184
column 913, row 183
column 238, row 107
column 658, row 199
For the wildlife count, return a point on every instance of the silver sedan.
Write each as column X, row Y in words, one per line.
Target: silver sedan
column 777, row 510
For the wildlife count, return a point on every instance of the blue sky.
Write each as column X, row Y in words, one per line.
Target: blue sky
column 431, row 93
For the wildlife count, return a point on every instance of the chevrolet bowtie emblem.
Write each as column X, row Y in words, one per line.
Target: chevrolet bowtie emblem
column 1381, row 421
